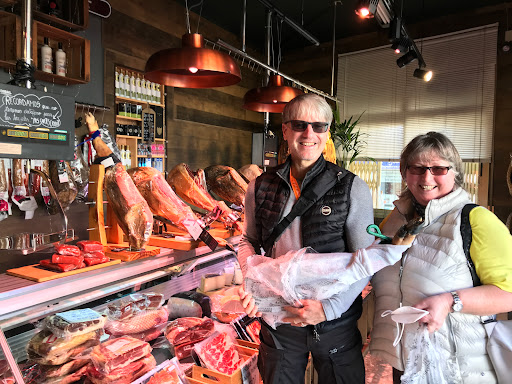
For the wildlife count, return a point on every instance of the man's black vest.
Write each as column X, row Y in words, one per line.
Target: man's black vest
column 323, row 225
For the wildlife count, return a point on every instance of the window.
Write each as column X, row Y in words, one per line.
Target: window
column 458, row 101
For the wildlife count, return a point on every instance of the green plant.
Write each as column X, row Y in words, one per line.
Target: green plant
column 348, row 139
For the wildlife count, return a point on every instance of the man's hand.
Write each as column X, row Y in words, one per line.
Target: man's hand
column 91, row 122
column 438, row 307
column 248, row 303
column 310, row 312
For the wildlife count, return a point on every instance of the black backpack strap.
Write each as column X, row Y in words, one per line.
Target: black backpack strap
column 467, row 236
column 322, row 183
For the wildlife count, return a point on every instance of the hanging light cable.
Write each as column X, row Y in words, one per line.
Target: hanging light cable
column 274, row 96
column 192, row 65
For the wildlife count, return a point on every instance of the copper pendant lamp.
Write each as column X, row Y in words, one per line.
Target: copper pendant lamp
column 192, row 66
column 271, row 98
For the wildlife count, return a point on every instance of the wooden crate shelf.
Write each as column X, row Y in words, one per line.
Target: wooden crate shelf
column 77, row 51
column 10, row 42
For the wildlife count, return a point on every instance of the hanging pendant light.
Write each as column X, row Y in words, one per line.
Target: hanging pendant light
column 271, row 98
column 192, row 66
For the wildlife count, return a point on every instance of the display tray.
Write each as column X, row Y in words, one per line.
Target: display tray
column 37, row 273
column 113, row 251
column 173, row 242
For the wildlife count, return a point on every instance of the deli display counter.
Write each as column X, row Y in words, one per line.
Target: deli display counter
column 23, row 302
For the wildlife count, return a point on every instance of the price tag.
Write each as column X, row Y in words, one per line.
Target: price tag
column 208, row 240
column 79, row 315
column 193, row 227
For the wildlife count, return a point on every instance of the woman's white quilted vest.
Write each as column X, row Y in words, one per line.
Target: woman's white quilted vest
column 434, row 264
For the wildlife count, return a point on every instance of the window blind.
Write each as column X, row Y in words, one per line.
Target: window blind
column 458, row 101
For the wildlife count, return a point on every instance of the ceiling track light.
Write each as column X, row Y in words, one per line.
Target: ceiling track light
column 408, row 58
column 366, row 9
column 400, row 45
column 423, row 74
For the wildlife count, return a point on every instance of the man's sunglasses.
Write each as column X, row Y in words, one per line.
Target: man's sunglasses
column 436, row 171
column 301, row 126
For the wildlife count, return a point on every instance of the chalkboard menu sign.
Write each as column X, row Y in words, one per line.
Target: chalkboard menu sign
column 35, row 124
column 148, row 124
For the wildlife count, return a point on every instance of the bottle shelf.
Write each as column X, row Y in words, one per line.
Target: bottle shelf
column 128, row 118
column 7, row 3
column 120, row 99
column 151, row 156
column 82, row 12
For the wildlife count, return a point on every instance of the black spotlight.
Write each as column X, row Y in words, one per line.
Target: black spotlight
column 409, row 57
column 423, row 74
column 400, row 45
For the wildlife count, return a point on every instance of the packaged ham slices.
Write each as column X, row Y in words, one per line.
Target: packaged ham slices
column 125, row 373
column 73, row 323
column 116, row 354
column 169, row 372
column 218, row 353
column 132, row 304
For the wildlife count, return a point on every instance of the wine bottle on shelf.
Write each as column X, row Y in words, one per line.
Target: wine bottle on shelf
column 137, row 87
column 60, row 61
column 126, row 85
column 123, row 156
column 143, row 89
column 128, row 158
column 53, row 8
column 117, row 83
column 132, row 87
column 158, row 94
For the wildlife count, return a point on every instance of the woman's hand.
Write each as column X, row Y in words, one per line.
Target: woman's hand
column 310, row 312
column 250, row 307
column 438, row 306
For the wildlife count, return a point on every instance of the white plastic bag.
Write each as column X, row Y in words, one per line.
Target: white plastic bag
column 428, row 363
column 305, row 274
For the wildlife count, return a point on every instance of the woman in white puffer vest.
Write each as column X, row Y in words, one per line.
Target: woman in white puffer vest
column 433, row 274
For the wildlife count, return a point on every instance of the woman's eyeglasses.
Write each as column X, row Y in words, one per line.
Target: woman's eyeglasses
column 301, row 126
column 436, row 171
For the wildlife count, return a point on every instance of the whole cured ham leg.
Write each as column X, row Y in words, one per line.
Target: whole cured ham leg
column 160, row 196
column 191, row 187
column 226, row 183
column 131, row 209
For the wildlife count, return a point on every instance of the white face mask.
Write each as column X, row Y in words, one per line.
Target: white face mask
column 404, row 315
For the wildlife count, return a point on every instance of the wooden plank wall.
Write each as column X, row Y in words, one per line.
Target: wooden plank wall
column 204, row 126
column 313, row 66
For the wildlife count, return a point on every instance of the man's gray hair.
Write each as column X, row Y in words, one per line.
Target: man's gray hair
column 305, row 103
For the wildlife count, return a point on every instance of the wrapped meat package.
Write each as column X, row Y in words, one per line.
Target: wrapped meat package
column 124, row 374
column 118, row 353
column 189, row 329
column 161, row 198
column 178, row 307
column 218, row 353
column 61, row 177
column 66, row 249
column 132, row 211
column 132, row 304
column 45, row 348
column 89, row 245
column 73, row 323
column 140, row 322
column 305, row 274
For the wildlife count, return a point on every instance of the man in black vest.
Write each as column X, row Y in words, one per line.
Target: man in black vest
column 336, row 222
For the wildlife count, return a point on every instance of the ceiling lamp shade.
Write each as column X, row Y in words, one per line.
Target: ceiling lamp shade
column 271, row 98
column 192, row 66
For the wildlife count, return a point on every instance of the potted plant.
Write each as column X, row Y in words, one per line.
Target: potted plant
column 348, row 139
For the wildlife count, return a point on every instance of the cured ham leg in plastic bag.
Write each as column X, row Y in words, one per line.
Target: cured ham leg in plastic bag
column 132, row 211
column 191, row 187
column 160, row 196
column 20, row 194
column 226, row 183
column 304, row 274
